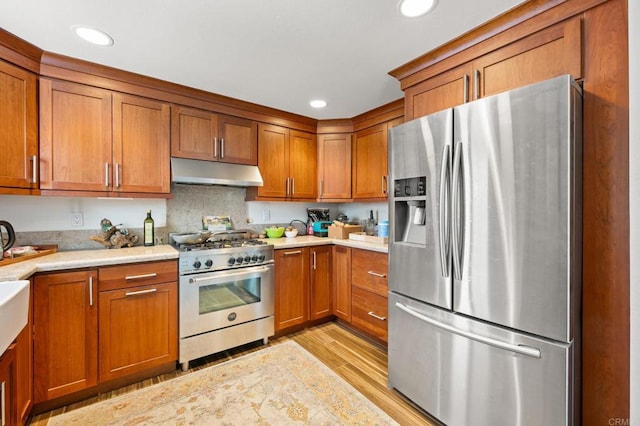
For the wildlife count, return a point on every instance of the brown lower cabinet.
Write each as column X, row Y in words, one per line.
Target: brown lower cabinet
column 138, row 323
column 320, row 282
column 342, row 282
column 95, row 325
column 65, row 333
column 24, row 366
column 302, row 286
column 8, row 414
column 369, row 292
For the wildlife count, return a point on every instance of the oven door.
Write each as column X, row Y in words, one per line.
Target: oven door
column 215, row 300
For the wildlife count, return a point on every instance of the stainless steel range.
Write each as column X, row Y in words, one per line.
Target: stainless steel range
column 226, row 293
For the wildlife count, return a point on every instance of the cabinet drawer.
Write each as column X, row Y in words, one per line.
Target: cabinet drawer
column 137, row 274
column 369, row 312
column 369, row 270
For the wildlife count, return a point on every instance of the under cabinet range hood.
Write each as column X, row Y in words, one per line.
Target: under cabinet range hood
column 201, row 172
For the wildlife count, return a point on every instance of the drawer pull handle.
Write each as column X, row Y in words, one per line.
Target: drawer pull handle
column 287, row 253
column 139, row 277
column 375, row 274
column 371, row 314
column 136, row 293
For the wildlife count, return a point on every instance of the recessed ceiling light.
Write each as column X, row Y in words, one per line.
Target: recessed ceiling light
column 93, row 35
column 415, row 8
column 318, row 103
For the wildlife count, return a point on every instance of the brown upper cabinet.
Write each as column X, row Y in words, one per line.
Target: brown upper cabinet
column 203, row 135
column 96, row 140
column 548, row 53
column 369, row 174
column 334, row 166
column 287, row 161
column 19, row 135
column 369, row 158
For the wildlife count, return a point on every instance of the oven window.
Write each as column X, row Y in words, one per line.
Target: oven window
column 229, row 295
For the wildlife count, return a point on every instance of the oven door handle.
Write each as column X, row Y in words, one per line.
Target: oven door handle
column 245, row 271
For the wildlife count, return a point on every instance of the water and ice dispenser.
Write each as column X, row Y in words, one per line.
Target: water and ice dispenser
column 410, row 196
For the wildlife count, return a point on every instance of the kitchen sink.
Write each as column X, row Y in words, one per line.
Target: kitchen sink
column 14, row 309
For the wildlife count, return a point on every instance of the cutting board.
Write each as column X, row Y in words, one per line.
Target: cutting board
column 41, row 250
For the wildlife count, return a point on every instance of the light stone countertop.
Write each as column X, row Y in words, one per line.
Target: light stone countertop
column 310, row 240
column 85, row 259
column 102, row 257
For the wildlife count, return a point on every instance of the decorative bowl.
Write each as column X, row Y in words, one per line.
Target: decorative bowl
column 274, row 232
column 291, row 234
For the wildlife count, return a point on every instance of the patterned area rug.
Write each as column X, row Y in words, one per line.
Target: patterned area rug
column 281, row 384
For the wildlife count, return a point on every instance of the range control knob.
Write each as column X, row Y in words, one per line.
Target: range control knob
column 254, row 258
column 231, row 261
column 208, row 263
column 239, row 259
column 247, row 259
column 261, row 258
column 197, row 264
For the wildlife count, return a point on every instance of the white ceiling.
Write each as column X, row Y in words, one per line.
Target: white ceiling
column 277, row 53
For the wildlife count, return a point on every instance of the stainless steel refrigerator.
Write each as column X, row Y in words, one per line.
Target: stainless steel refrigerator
column 485, row 258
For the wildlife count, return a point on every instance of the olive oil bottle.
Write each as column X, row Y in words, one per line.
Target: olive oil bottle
column 148, row 230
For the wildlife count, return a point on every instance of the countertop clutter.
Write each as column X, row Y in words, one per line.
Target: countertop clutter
column 85, row 258
column 100, row 257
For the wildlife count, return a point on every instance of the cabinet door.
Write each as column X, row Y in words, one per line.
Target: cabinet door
column 292, row 287
column 140, row 144
column 370, row 163
column 65, row 333
column 138, row 329
column 8, row 415
column 75, row 137
column 334, row 166
column 320, row 282
column 238, row 140
column 273, row 160
column 443, row 91
column 19, row 124
column 193, row 133
column 342, row 282
column 24, row 366
column 303, row 152
column 546, row 54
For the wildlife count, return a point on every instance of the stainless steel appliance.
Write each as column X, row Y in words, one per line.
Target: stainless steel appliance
column 226, row 290
column 5, row 227
column 320, row 220
column 485, row 258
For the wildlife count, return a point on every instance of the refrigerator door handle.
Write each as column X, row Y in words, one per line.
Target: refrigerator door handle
column 456, row 212
column 519, row 349
column 445, row 238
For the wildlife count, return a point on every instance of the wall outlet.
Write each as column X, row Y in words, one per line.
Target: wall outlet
column 266, row 215
column 77, row 219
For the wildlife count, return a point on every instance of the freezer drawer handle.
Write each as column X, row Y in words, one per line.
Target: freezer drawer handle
column 376, row 274
column 372, row 314
column 519, row 349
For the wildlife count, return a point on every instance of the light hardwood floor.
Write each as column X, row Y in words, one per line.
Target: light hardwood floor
column 357, row 360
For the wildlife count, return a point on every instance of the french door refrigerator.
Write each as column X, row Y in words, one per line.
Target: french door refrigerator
column 485, row 258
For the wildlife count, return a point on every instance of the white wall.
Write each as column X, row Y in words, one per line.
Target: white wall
column 634, row 203
column 29, row 214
